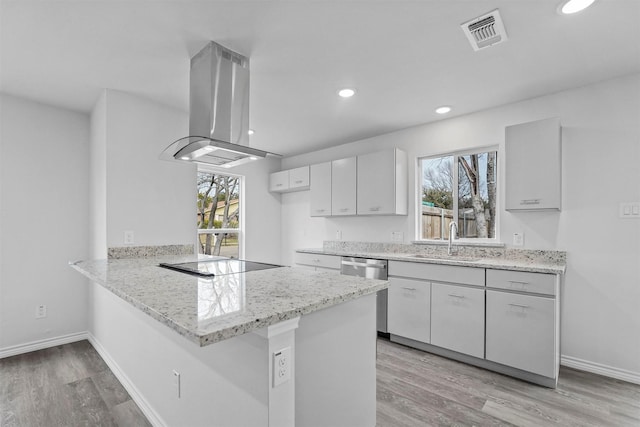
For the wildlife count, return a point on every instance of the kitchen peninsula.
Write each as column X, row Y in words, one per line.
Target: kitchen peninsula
column 202, row 351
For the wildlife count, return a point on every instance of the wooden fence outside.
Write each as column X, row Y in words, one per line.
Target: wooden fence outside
column 435, row 224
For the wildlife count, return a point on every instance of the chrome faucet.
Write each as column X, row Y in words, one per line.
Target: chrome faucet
column 452, row 234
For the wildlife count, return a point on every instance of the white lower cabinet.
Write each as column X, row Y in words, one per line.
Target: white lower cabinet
column 317, row 262
column 408, row 308
column 521, row 332
column 457, row 318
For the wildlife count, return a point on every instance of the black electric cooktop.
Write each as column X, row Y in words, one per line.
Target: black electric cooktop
column 218, row 267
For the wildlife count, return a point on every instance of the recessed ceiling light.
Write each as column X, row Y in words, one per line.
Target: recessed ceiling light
column 346, row 93
column 250, row 132
column 443, row 110
column 573, row 6
column 253, row 158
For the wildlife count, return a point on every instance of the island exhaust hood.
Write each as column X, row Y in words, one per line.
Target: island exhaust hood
column 218, row 111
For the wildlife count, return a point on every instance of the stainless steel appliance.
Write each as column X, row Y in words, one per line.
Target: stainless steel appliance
column 219, row 111
column 217, row 267
column 371, row 269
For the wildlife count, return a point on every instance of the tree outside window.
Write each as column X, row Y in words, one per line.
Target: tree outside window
column 218, row 214
column 465, row 194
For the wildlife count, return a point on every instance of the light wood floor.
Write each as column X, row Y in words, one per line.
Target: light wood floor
column 420, row 389
column 70, row 385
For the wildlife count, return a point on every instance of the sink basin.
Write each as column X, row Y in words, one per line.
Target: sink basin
column 445, row 257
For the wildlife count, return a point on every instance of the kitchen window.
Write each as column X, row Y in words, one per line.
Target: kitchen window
column 219, row 213
column 458, row 187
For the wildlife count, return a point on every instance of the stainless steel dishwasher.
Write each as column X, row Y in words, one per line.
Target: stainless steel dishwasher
column 371, row 269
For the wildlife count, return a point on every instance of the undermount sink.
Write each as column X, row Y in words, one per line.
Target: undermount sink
column 445, row 257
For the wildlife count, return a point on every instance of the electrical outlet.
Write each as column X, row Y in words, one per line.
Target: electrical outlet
column 397, row 236
column 176, row 383
column 630, row 210
column 41, row 311
column 128, row 237
column 281, row 366
column 518, row 239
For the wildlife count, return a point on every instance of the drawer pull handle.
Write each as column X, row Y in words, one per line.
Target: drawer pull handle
column 456, row 296
column 518, row 282
column 374, row 209
column 299, row 181
column 320, row 210
column 316, row 260
column 519, row 305
column 409, row 289
column 344, row 209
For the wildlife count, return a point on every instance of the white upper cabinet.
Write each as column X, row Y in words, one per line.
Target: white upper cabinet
column 343, row 187
column 279, row 181
column 320, row 194
column 533, row 165
column 299, row 178
column 382, row 183
column 289, row 180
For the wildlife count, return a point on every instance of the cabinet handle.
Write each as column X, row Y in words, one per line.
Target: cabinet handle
column 518, row 282
column 279, row 185
column 344, row 209
column 320, row 210
column 456, row 296
column 374, row 209
column 530, row 202
column 409, row 289
column 298, row 182
column 519, row 305
column 315, row 260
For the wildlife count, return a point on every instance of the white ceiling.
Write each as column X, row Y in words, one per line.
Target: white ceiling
column 403, row 57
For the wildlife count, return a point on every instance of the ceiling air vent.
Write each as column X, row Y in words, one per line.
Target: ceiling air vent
column 485, row 30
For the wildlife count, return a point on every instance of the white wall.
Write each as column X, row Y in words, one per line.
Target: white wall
column 601, row 158
column 44, row 172
column 153, row 198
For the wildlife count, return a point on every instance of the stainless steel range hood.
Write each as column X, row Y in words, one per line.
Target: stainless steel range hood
column 219, row 111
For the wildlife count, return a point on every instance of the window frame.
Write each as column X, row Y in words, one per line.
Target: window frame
column 240, row 231
column 418, row 195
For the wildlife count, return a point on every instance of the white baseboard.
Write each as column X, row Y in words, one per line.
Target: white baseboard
column 133, row 391
column 42, row 344
column 597, row 368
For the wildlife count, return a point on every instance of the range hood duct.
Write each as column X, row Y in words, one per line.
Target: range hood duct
column 218, row 111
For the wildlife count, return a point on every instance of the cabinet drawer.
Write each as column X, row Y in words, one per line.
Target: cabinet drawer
column 438, row 273
column 521, row 332
column 457, row 318
column 523, row 281
column 318, row 260
column 408, row 309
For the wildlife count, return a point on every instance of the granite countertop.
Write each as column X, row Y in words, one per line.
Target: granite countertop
column 534, row 264
column 208, row 310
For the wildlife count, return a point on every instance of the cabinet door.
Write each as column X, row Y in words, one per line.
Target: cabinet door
column 299, row 178
column 343, row 186
column 521, row 332
column 279, row 181
column 533, row 165
column 457, row 318
column 408, row 309
column 382, row 183
column 320, row 192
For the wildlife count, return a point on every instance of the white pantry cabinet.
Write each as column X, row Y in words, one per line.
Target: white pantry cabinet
column 320, row 190
column 457, row 318
column 382, row 183
column 408, row 308
column 533, row 165
column 343, row 187
column 289, row 180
